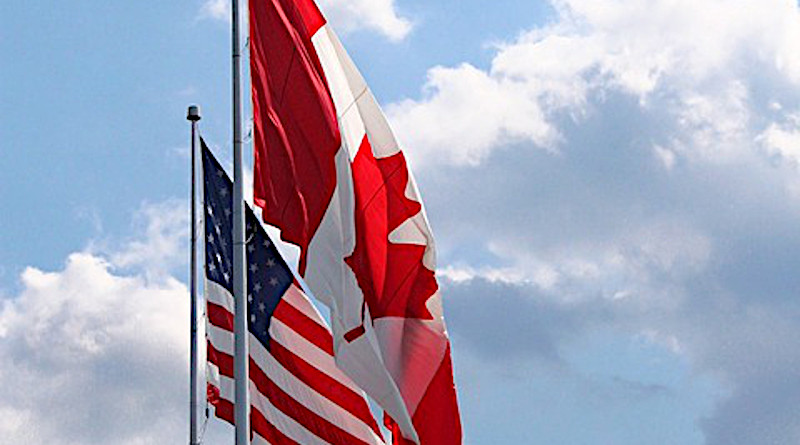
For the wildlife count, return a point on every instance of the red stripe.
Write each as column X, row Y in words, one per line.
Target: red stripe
column 221, row 359
column 324, row 384
column 220, row 317
column 223, row 409
column 262, row 426
column 307, row 327
column 258, row 423
column 316, row 424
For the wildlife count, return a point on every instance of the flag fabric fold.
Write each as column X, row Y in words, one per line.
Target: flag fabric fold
column 330, row 174
column 298, row 394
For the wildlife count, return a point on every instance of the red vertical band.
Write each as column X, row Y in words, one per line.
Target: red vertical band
column 296, row 133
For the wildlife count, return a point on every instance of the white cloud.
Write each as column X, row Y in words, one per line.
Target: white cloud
column 713, row 126
column 90, row 354
column 93, row 357
column 693, row 58
column 630, row 266
column 661, row 215
column 461, row 274
column 783, row 139
column 216, row 9
column 665, row 155
column 165, row 229
column 345, row 15
column 375, row 15
column 466, row 114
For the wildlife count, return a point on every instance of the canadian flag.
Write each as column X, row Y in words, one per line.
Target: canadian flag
column 330, row 174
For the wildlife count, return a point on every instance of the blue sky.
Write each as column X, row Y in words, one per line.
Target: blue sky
column 613, row 186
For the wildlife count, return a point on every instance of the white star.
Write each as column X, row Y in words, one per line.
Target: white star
column 216, row 228
column 250, row 298
column 257, row 286
column 270, row 262
column 219, row 258
column 210, row 239
column 252, row 319
column 253, row 268
column 210, row 210
column 261, row 307
column 273, row 281
column 212, row 267
column 266, row 243
column 220, row 173
column 251, row 248
column 223, row 192
column 227, row 213
column 225, row 274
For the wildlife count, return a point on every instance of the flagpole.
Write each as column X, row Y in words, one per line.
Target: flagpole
column 241, row 353
column 193, row 115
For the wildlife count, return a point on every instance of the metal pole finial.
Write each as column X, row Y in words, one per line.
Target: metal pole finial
column 193, row 114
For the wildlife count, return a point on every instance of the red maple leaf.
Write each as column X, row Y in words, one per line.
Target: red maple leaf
column 392, row 276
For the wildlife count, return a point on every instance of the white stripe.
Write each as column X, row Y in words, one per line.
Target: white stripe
column 212, row 374
column 222, row 340
column 300, row 301
column 257, row 439
column 219, row 295
column 276, row 417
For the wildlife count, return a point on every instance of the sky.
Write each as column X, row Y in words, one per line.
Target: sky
column 614, row 187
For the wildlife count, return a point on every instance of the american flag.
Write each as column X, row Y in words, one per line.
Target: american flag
column 297, row 393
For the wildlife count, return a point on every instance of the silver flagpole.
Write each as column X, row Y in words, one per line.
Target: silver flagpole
column 193, row 115
column 241, row 353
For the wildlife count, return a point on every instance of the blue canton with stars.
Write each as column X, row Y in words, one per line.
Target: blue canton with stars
column 268, row 276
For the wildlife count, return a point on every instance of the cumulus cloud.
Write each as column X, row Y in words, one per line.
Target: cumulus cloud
column 643, row 264
column 466, row 114
column 666, row 285
column 661, row 202
column 782, row 139
column 375, row 15
column 93, row 355
column 380, row 16
column 691, row 63
column 162, row 239
column 216, row 9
